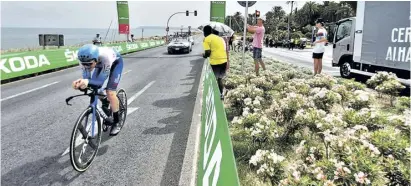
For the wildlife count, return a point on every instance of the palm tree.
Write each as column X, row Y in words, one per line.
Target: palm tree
column 312, row 9
column 344, row 11
column 289, row 19
column 330, row 10
column 278, row 15
column 352, row 4
column 239, row 20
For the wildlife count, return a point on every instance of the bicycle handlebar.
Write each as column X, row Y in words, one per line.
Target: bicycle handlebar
column 93, row 93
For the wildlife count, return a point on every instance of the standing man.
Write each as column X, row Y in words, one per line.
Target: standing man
column 258, row 37
column 215, row 49
column 97, row 40
column 319, row 46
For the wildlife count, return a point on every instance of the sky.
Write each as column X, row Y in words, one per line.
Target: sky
column 99, row 14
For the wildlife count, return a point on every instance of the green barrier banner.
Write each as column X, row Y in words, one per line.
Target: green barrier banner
column 24, row 63
column 217, row 11
column 216, row 164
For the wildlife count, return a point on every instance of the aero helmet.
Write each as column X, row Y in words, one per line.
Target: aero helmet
column 87, row 53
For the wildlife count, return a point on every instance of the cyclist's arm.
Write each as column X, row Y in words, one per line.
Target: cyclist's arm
column 101, row 77
column 86, row 73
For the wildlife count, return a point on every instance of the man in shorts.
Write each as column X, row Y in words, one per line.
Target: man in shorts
column 258, row 40
column 319, row 46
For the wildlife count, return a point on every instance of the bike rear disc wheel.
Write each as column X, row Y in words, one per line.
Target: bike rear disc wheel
column 82, row 133
column 122, row 97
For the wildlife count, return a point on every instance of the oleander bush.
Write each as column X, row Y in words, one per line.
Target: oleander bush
column 289, row 127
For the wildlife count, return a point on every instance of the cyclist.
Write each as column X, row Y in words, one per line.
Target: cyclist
column 108, row 66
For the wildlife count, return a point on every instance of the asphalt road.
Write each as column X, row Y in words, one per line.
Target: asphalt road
column 302, row 58
column 36, row 125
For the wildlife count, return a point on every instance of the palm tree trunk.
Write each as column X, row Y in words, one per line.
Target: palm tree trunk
column 289, row 19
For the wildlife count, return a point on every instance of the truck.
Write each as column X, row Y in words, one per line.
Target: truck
column 377, row 39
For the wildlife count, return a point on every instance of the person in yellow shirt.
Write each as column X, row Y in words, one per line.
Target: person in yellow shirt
column 216, row 50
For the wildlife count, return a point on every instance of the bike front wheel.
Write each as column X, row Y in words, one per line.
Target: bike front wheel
column 122, row 97
column 83, row 133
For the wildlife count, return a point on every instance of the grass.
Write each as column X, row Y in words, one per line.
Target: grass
column 248, row 177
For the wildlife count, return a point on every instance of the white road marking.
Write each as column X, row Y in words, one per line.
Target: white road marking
column 126, row 72
column 130, row 109
column 25, row 92
column 135, row 96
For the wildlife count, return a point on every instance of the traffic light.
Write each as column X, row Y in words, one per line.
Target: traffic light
column 195, row 12
column 187, row 13
column 257, row 13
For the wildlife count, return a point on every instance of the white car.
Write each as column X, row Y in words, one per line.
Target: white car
column 179, row 45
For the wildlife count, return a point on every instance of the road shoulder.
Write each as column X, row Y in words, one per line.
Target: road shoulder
column 189, row 168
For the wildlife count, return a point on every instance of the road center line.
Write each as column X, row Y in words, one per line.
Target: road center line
column 28, row 91
column 126, row 72
column 135, row 96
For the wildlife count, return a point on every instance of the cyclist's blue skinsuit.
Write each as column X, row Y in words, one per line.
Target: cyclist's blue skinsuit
column 108, row 70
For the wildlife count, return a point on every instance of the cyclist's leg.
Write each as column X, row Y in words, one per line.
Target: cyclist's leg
column 111, row 88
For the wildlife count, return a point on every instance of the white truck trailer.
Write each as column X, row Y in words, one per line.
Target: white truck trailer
column 377, row 39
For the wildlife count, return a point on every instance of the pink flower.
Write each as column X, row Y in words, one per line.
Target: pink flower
column 296, row 175
column 361, row 178
column 320, row 176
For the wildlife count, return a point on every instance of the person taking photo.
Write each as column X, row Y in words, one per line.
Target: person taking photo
column 258, row 36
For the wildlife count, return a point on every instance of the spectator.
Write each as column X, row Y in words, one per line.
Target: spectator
column 97, row 40
column 258, row 37
column 319, row 46
column 215, row 49
column 230, row 42
column 266, row 41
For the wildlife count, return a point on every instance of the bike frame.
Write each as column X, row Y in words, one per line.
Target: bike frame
column 94, row 97
column 93, row 105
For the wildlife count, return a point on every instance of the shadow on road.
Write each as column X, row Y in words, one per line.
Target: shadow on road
column 46, row 171
column 179, row 125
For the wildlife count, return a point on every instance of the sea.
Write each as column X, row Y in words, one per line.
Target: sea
column 12, row 38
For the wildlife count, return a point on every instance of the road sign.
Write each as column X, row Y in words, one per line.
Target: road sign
column 250, row 3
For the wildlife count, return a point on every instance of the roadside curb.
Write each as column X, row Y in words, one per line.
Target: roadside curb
column 189, row 168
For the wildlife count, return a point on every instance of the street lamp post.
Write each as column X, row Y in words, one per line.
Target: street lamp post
column 168, row 29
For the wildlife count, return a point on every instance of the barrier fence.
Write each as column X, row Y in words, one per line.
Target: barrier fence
column 18, row 64
column 216, row 164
